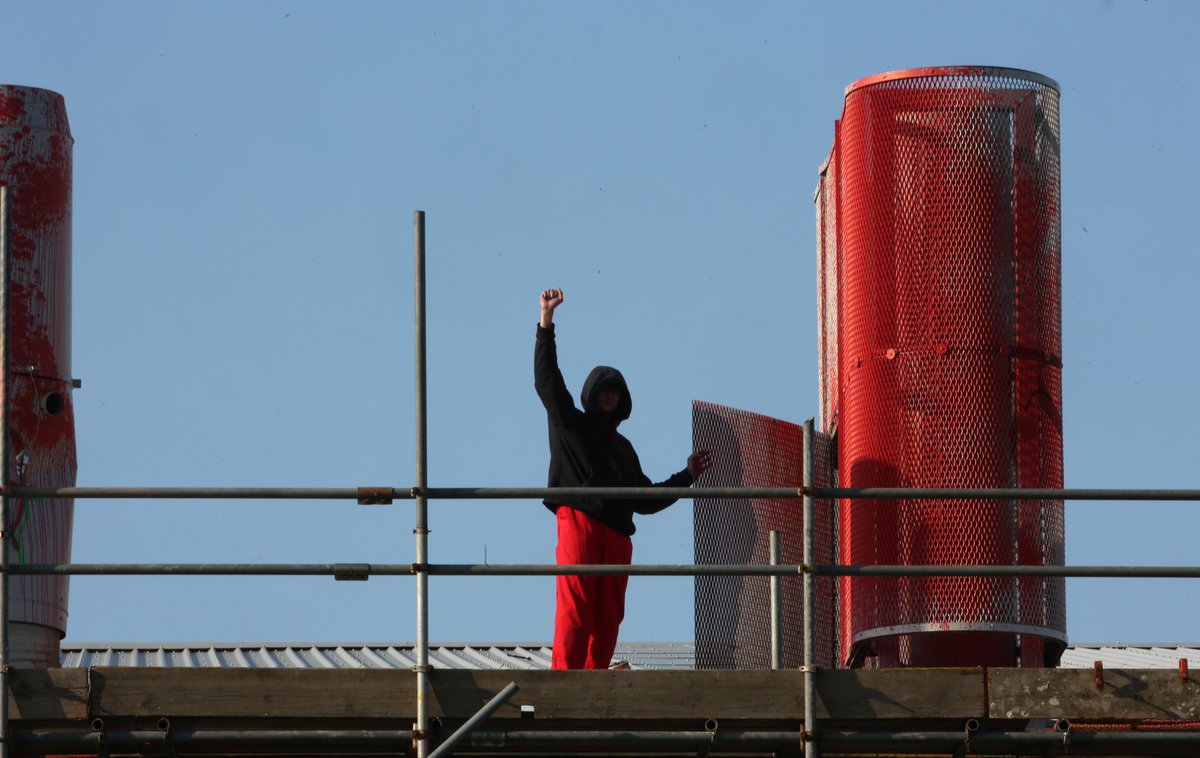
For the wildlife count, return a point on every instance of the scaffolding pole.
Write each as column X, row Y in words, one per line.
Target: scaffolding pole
column 421, row 567
column 5, row 312
column 446, row 749
column 776, row 581
column 388, row 493
column 346, row 741
column 361, row 571
column 811, row 747
column 887, row 742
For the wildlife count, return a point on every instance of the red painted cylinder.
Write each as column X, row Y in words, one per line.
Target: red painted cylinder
column 947, row 322
column 35, row 164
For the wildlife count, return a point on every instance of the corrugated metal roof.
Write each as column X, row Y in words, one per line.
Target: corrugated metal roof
column 643, row 655
column 1123, row 656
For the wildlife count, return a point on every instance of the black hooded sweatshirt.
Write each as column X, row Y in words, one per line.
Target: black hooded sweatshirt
column 586, row 450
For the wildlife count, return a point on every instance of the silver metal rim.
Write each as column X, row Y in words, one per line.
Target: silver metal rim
column 959, row 626
column 936, row 72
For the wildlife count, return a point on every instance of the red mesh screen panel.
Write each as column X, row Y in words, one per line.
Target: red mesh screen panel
column 947, row 322
column 733, row 613
column 826, row 200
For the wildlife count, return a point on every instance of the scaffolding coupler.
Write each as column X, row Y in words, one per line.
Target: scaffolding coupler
column 375, row 495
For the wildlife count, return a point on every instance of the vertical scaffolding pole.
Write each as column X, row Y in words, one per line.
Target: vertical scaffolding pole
column 422, row 503
column 5, row 292
column 810, row 595
column 776, row 607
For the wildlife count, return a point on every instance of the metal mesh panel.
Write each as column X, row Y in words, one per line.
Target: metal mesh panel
column 35, row 379
column 826, row 200
column 949, row 369
column 733, row 613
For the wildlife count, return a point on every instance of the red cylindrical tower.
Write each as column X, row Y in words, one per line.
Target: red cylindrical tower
column 35, row 164
column 948, row 359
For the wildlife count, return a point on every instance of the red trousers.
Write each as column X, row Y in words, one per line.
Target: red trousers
column 590, row 608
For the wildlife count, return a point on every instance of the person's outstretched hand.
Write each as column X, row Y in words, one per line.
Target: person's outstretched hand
column 551, row 299
column 699, row 462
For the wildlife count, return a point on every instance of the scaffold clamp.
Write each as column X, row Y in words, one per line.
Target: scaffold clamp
column 351, row 572
column 375, row 495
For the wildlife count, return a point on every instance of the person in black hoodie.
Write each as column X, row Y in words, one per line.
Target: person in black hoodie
column 586, row 450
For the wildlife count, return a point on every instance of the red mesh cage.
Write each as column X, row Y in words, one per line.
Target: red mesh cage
column 36, row 165
column 733, row 613
column 941, row 205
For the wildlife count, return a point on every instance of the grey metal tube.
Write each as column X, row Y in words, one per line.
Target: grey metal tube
column 776, row 606
column 897, row 743
column 783, row 493
column 645, row 569
column 205, row 569
column 642, row 740
column 811, row 746
column 471, row 724
column 613, row 493
column 936, row 493
column 5, row 297
column 1077, row 572
column 422, row 504
column 196, row 493
column 261, row 739
column 395, row 569
column 900, row 743
column 1008, row 743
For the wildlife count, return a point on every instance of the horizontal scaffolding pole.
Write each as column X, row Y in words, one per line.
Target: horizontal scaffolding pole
column 194, row 493
column 376, row 494
column 1010, row 743
column 308, row 740
column 359, row 571
column 900, row 743
column 398, row 493
column 1071, row 572
column 1159, row 572
column 974, row 743
column 944, row 493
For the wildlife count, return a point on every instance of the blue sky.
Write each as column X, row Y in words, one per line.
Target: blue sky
column 245, row 176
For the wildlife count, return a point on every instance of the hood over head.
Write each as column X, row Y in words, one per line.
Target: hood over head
column 601, row 378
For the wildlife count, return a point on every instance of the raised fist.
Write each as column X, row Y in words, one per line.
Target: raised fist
column 551, row 299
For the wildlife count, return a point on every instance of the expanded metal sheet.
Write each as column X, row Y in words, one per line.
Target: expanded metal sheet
column 826, row 200
column 35, row 164
column 947, row 324
column 733, row 614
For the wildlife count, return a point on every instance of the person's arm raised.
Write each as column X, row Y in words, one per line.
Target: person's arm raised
column 547, row 378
